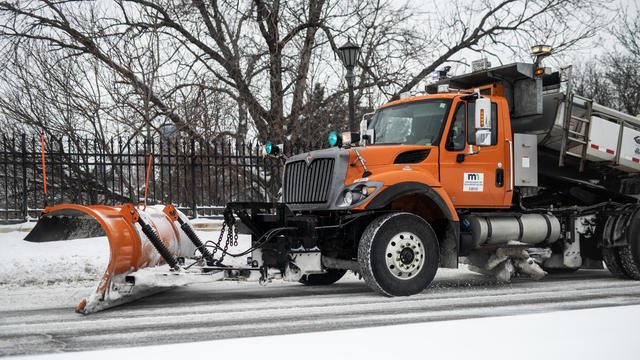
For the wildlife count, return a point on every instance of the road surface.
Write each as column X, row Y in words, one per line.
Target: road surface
column 41, row 319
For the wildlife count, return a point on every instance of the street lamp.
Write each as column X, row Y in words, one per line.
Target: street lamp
column 349, row 53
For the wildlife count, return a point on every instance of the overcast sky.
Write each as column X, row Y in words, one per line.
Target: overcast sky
column 599, row 45
column 605, row 42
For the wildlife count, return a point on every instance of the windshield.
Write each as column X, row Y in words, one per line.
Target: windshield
column 415, row 123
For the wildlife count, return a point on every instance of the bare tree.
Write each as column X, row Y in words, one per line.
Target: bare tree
column 256, row 68
column 52, row 92
column 590, row 80
column 614, row 79
column 623, row 66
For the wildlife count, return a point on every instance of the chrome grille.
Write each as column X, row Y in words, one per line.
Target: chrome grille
column 307, row 184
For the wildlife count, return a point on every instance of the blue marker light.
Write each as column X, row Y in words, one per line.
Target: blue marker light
column 333, row 138
column 268, row 147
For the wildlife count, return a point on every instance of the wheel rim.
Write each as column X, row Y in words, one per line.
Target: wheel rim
column 405, row 255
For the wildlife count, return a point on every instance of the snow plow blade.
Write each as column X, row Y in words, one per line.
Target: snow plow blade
column 131, row 249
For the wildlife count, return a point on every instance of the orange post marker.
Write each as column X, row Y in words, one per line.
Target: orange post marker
column 44, row 170
column 146, row 184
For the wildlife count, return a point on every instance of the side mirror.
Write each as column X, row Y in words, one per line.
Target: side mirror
column 363, row 126
column 367, row 134
column 370, row 135
column 483, row 137
column 483, row 122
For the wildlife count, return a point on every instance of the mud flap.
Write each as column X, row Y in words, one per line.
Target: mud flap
column 131, row 253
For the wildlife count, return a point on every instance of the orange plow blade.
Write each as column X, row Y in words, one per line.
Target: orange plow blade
column 131, row 251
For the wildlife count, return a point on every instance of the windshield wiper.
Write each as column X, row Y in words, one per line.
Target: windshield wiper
column 366, row 172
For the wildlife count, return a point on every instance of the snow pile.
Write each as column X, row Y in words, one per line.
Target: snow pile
column 24, row 263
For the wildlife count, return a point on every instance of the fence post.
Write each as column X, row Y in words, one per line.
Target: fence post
column 25, row 205
column 194, row 206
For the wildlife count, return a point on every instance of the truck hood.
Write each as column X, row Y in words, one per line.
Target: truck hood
column 385, row 154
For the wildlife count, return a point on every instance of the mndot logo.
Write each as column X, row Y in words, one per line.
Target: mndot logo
column 473, row 182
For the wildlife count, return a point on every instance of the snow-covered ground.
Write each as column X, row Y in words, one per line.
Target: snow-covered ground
column 42, row 284
column 81, row 261
column 70, row 269
column 601, row 333
column 25, row 263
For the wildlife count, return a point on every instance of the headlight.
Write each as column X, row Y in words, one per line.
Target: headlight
column 357, row 193
column 346, row 138
column 349, row 138
column 348, row 197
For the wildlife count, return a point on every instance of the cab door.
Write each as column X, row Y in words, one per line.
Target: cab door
column 477, row 180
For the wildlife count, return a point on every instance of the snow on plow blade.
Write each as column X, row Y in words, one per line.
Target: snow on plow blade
column 131, row 251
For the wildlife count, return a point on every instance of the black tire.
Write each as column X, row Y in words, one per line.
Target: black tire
column 381, row 235
column 610, row 256
column 612, row 262
column 629, row 255
column 328, row 278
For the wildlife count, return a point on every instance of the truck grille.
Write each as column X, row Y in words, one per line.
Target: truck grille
column 307, row 184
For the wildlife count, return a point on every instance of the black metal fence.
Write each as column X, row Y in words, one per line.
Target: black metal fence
column 197, row 178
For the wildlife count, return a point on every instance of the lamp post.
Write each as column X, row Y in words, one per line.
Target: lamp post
column 349, row 53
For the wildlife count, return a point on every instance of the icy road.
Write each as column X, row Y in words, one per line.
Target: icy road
column 41, row 319
column 41, row 283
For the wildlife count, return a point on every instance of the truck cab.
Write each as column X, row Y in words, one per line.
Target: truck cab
column 444, row 126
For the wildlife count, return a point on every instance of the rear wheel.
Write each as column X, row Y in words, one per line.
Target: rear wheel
column 623, row 261
column 398, row 254
column 610, row 255
column 328, row 278
column 612, row 262
column 629, row 254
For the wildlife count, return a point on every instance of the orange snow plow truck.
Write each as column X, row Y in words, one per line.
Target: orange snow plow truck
column 504, row 169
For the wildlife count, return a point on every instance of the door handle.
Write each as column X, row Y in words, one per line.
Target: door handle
column 499, row 178
column 510, row 165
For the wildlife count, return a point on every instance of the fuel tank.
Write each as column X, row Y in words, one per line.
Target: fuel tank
column 525, row 228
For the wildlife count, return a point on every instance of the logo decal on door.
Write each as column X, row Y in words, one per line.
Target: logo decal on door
column 473, row 182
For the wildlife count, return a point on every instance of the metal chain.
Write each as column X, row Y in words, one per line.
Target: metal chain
column 215, row 248
column 230, row 222
column 226, row 244
column 235, row 235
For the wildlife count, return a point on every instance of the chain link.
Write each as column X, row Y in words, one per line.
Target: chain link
column 235, row 236
column 232, row 234
column 226, row 245
column 215, row 248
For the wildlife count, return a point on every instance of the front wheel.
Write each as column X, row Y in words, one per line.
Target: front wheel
column 398, row 254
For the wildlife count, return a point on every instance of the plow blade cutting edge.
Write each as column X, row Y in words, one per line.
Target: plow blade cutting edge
column 135, row 266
